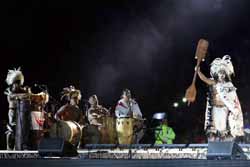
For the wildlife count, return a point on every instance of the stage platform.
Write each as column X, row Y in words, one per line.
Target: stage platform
column 123, row 163
column 175, row 155
column 134, row 151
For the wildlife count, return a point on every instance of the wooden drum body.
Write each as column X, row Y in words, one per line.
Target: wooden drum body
column 108, row 130
column 124, row 129
column 68, row 130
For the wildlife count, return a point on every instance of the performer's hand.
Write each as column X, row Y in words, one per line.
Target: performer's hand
column 197, row 69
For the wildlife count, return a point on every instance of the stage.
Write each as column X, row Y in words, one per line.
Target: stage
column 126, row 155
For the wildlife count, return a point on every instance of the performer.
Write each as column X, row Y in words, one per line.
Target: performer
column 22, row 119
column 127, row 108
column 70, row 118
column 15, row 80
column 223, row 118
column 96, row 130
column 164, row 134
column 70, row 111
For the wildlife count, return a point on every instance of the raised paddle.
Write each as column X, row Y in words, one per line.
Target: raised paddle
column 200, row 55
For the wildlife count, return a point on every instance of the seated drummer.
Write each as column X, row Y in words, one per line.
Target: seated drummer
column 70, row 111
column 127, row 107
column 95, row 114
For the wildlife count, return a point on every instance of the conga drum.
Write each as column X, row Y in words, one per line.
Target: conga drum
column 36, row 128
column 68, row 130
column 90, row 135
column 37, row 115
column 124, row 129
column 108, row 130
column 22, row 140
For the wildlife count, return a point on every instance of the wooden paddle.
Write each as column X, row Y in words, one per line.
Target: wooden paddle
column 200, row 55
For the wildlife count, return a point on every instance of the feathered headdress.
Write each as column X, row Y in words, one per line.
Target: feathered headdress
column 15, row 75
column 224, row 64
column 71, row 92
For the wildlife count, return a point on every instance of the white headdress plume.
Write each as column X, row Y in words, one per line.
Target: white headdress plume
column 71, row 92
column 224, row 64
column 15, row 75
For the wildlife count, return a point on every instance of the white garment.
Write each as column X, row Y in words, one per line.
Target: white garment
column 219, row 116
column 122, row 109
column 227, row 93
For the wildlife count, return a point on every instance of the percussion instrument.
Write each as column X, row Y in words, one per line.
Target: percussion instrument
column 29, row 119
column 108, row 131
column 105, row 133
column 22, row 133
column 68, row 130
column 90, row 135
column 124, row 129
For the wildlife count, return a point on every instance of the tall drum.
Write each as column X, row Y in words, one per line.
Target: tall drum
column 37, row 115
column 22, row 133
column 36, row 128
column 124, row 129
column 108, row 130
column 68, row 130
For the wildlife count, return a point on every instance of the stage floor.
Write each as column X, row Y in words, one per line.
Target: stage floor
column 122, row 163
column 135, row 151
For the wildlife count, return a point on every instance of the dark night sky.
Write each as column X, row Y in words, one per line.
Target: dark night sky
column 144, row 45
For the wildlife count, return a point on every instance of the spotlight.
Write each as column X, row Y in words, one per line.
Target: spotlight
column 176, row 104
column 184, row 99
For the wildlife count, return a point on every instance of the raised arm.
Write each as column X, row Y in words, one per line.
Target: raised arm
column 204, row 78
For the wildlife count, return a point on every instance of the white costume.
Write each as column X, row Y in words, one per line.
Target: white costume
column 223, row 113
column 123, row 109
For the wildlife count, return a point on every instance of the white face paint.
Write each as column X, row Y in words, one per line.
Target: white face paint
column 15, row 87
column 221, row 76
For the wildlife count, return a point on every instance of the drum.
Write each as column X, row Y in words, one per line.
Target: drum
column 138, row 130
column 108, row 131
column 37, row 118
column 90, row 135
column 68, row 130
column 124, row 129
column 22, row 140
column 36, row 127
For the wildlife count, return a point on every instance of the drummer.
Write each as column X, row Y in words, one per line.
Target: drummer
column 70, row 111
column 127, row 107
column 95, row 114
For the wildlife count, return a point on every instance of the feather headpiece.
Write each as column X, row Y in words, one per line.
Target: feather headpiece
column 14, row 76
column 71, row 92
column 224, row 64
